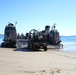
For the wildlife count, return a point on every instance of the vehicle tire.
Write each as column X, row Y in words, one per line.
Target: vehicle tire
column 45, row 48
column 28, row 46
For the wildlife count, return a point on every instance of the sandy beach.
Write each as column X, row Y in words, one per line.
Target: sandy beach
column 23, row 62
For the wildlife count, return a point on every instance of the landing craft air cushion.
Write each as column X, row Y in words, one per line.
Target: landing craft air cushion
column 10, row 36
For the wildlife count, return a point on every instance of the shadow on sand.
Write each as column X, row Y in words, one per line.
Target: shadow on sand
column 27, row 50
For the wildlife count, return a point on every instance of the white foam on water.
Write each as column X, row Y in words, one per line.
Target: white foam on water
column 69, row 46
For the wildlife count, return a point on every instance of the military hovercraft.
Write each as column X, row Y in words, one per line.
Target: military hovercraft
column 10, row 36
column 52, row 36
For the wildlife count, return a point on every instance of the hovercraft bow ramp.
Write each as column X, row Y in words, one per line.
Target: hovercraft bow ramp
column 21, row 43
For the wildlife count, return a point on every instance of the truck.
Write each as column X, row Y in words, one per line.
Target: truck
column 36, row 40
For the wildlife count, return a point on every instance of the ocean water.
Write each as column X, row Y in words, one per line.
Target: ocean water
column 1, row 39
column 69, row 43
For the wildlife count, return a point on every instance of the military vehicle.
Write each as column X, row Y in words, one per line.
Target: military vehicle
column 53, row 37
column 36, row 40
column 10, row 36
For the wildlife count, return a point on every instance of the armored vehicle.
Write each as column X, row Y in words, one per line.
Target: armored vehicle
column 36, row 40
column 10, row 36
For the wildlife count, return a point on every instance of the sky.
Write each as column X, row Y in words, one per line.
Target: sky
column 36, row 14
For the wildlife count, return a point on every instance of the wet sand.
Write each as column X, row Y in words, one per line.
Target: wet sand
column 23, row 62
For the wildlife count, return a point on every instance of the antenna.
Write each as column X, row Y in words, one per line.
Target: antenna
column 15, row 24
column 38, row 29
column 54, row 26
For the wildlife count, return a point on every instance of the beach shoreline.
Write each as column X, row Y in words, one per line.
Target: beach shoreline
column 23, row 62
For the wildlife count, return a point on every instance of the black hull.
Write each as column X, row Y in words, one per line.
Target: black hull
column 8, row 45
